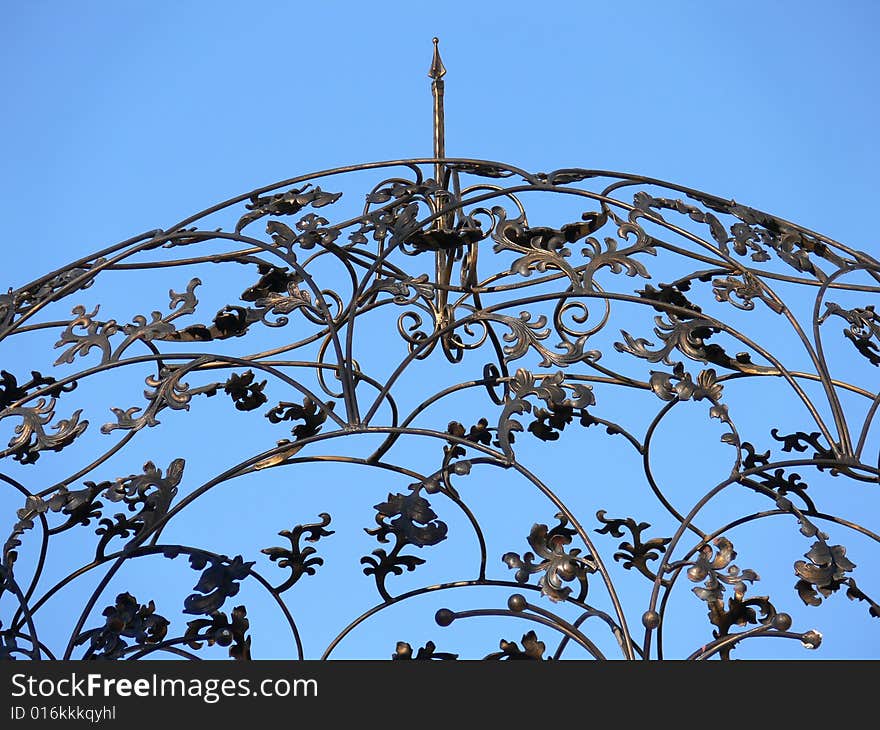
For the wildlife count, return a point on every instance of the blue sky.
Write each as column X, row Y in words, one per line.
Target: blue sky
column 125, row 117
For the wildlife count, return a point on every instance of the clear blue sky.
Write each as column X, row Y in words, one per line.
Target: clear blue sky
column 124, row 117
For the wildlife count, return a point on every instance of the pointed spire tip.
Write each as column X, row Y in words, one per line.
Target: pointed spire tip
column 437, row 70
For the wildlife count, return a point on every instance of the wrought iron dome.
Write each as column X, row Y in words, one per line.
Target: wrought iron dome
column 613, row 349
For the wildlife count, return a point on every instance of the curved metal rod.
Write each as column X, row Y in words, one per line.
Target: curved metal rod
column 41, row 557
column 649, row 474
column 560, row 626
column 570, row 630
column 171, row 650
column 822, row 364
column 10, row 585
column 731, row 640
column 426, row 590
column 592, row 613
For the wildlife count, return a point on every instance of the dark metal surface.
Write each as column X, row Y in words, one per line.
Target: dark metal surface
column 669, row 297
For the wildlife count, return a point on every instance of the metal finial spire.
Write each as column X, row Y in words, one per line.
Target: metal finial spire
column 436, row 72
column 443, row 258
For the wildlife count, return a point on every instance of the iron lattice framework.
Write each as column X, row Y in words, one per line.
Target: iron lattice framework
column 365, row 319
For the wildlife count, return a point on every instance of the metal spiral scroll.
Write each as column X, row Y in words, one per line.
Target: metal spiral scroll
column 357, row 324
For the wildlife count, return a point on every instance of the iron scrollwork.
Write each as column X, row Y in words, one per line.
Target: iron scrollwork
column 433, row 276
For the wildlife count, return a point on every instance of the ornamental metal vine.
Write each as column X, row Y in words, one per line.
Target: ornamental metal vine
column 413, row 320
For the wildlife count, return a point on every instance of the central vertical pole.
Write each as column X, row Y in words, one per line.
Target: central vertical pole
column 437, row 72
column 444, row 258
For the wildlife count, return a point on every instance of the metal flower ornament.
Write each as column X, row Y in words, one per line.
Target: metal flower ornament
column 519, row 356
